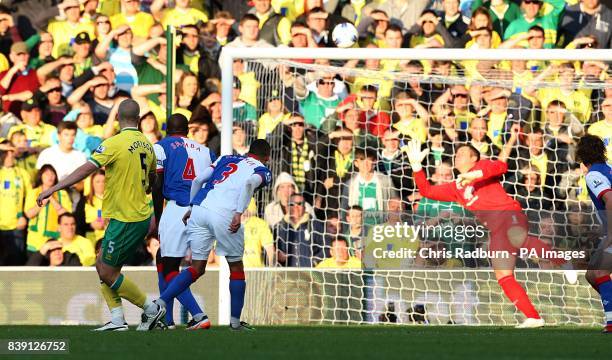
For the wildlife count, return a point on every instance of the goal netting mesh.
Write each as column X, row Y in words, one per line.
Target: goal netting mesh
column 347, row 164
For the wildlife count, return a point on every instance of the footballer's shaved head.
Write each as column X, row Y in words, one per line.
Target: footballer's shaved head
column 178, row 125
column 260, row 149
column 128, row 113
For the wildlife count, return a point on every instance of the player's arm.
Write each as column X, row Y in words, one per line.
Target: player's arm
column 158, row 197
column 77, row 175
column 487, row 169
column 250, row 186
column 443, row 192
column 607, row 199
column 509, row 145
column 199, row 181
column 600, row 186
column 158, row 185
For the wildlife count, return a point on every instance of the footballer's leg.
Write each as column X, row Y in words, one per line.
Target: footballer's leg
column 519, row 237
column 237, row 287
column 231, row 245
column 598, row 275
column 199, row 318
column 201, row 240
column 504, row 273
column 172, row 250
column 120, row 241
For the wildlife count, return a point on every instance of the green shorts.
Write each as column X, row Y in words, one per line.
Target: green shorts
column 121, row 240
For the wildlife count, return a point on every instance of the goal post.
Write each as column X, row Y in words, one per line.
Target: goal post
column 437, row 291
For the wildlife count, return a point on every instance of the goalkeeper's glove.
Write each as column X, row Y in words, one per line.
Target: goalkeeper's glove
column 469, row 177
column 415, row 154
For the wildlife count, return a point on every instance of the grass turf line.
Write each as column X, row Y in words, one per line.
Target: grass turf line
column 325, row 342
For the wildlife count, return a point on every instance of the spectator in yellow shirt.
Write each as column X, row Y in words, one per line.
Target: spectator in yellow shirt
column 52, row 254
column 74, row 243
column 25, row 156
column 43, row 220
column 275, row 115
column 14, row 183
column 182, row 13
column 564, row 88
column 340, row 258
column 603, row 128
column 93, row 208
column 409, row 125
column 257, row 237
column 38, row 134
column 64, row 31
column 140, row 22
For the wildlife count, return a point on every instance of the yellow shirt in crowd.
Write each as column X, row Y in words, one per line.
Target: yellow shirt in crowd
column 93, row 212
column 13, row 188
column 179, row 17
column 576, row 102
column 82, row 247
column 40, row 135
column 140, row 24
column 330, row 263
column 257, row 236
column 63, row 32
column 414, row 128
column 43, row 226
column 267, row 123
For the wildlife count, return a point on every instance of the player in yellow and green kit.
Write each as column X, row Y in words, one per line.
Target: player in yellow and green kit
column 130, row 163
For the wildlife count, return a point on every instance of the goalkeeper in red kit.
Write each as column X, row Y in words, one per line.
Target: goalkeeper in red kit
column 479, row 190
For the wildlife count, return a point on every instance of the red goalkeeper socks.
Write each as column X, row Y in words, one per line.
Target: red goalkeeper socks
column 518, row 296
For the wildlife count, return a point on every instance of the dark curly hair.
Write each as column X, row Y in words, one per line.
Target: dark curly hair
column 591, row 150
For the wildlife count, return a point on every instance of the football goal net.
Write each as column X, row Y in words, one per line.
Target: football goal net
column 356, row 241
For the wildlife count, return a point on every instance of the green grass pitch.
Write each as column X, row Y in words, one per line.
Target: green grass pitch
column 324, row 342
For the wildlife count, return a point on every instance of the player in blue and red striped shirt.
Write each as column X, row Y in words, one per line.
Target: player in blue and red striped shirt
column 179, row 161
column 591, row 152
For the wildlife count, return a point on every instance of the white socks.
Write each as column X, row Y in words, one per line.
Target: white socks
column 117, row 316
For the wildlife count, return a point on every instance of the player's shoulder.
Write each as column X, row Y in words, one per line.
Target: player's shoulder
column 599, row 176
column 600, row 168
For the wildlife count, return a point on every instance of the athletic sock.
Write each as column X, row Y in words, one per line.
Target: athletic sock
column 179, row 284
column 199, row 317
column 189, row 302
column 518, row 296
column 114, row 304
column 604, row 286
column 185, row 298
column 162, row 284
column 237, row 288
column 126, row 289
column 541, row 247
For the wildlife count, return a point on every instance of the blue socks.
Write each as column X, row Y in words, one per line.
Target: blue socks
column 604, row 285
column 178, row 285
column 237, row 288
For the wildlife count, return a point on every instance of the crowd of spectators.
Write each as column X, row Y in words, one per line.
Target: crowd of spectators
column 336, row 128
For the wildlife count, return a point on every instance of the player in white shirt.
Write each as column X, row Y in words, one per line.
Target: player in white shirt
column 216, row 213
column 179, row 161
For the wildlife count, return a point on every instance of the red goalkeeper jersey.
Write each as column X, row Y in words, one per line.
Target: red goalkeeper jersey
column 483, row 194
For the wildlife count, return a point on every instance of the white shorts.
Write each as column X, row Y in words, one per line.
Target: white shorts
column 172, row 234
column 205, row 226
